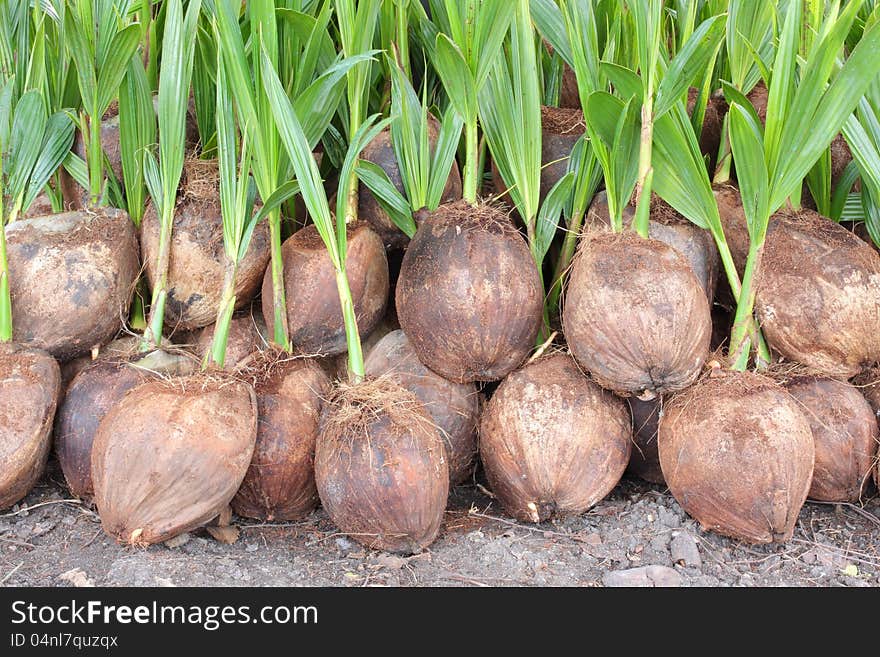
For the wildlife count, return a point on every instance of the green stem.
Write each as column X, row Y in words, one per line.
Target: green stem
column 353, row 338
column 646, row 173
column 470, row 183
column 280, row 334
column 762, row 349
column 217, row 354
column 153, row 336
column 5, row 293
column 96, row 161
column 743, row 322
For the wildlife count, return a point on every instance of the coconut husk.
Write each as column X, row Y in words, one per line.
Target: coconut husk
column 314, row 315
column 453, row 407
column 737, row 453
column 552, row 442
column 635, row 315
column 171, row 454
column 197, row 258
column 818, row 294
column 280, row 482
column 381, row 467
column 72, row 277
column 469, row 294
column 30, row 382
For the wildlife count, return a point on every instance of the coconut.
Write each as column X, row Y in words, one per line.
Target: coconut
column 644, row 461
column 280, row 482
column 635, row 315
column 667, row 225
column 552, row 442
column 453, row 407
column 845, row 434
column 469, row 296
column 170, row 456
column 314, row 315
column 737, row 454
column 380, row 151
column 197, row 257
column 247, row 334
column 89, row 396
column 121, row 348
column 30, row 382
column 381, row 467
column 561, row 129
column 72, row 278
column 818, row 295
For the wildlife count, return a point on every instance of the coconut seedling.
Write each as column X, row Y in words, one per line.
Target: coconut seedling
column 162, row 178
column 736, row 450
column 380, row 465
column 102, row 42
column 635, row 314
column 469, row 293
column 279, row 483
column 317, row 102
column 171, row 454
column 32, row 146
column 410, row 168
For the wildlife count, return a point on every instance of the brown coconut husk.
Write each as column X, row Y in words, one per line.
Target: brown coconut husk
column 552, row 442
column 667, row 225
column 845, row 434
column 90, row 395
column 280, row 482
column 818, row 294
column 469, row 294
column 381, row 467
column 453, row 407
column 30, row 383
column 314, row 315
column 171, row 455
column 635, row 315
column 72, row 277
column 737, row 453
column 380, row 151
column 197, row 258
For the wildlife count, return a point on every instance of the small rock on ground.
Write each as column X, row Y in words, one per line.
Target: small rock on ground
column 684, row 550
column 645, row 576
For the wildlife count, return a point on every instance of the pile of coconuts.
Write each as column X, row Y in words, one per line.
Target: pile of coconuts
column 456, row 388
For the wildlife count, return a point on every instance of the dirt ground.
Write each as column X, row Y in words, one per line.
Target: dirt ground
column 638, row 536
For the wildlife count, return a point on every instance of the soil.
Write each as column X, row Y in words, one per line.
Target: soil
column 62, row 544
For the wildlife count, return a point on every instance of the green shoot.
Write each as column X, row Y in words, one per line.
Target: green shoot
column 316, row 104
column 332, row 232
column 470, row 38
column 163, row 178
column 424, row 172
column 101, row 45
column 357, row 27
